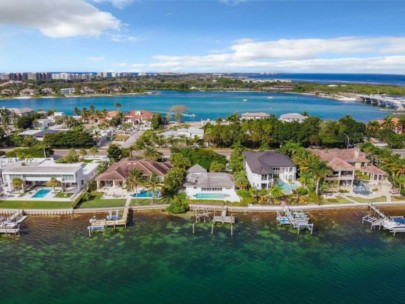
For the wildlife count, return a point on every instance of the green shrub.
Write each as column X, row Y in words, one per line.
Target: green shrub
column 178, row 204
column 302, row 191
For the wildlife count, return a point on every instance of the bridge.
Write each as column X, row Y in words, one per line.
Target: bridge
column 384, row 101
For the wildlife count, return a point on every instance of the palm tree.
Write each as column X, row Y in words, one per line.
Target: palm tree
column 134, row 180
column 150, row 153
column 276, row 192
column 319, row 170
column 17, row 183
column 82, row 153
column 153, row 184
column 93, row 151
column 53, row 182
column 76, row 111
column 241, row 180
column 28, row 158
column 117, row 106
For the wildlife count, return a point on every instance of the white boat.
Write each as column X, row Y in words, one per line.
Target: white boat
column 22, row 97
column 343, row 98
column 270, row 97
column 244, row 100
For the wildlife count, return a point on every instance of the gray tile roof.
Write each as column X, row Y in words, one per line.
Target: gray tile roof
column 210, row 180
column 197, row 169
column 264, row 162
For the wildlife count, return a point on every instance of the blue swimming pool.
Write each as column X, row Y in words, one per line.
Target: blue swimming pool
column 146, row 194
column 41, row 193
column 209, row 196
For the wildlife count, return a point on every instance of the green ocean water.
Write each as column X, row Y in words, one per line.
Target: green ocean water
column 158, row 260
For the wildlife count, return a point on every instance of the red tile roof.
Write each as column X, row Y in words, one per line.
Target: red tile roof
column 121, row 170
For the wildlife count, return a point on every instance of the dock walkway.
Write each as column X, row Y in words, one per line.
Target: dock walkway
column 297, row 219
column 11, row 225
column 394, row 224
column 111, row 220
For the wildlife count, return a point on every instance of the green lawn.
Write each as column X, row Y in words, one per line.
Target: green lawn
column 146, row 202
column 398, row 198
column 97, row 202
column 368, row 200
column 34, row 205
column 337, row 200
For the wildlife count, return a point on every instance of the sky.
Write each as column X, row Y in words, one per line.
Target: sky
column 326, row 36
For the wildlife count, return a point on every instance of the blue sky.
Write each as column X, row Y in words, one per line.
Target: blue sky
column 203, row 36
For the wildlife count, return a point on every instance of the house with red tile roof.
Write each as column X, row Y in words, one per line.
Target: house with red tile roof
column 138, row 116
column 117, row 174
column 344, row 163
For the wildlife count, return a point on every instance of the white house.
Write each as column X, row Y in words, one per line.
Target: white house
column 42, row 123
column 201, row 185
column 67, row 91
column 291, row 117
column 189, row 133
column 263, row 168
column 38, row 171
column 251, row 116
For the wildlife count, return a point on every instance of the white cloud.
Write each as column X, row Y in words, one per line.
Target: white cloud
column 117, row 3
column 344, row 54
column 95, row 58
column 122, row 37
column 58, row 18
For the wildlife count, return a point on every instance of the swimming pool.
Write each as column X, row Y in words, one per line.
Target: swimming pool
column 41, row 193
column 209, row 196
column 146, row 194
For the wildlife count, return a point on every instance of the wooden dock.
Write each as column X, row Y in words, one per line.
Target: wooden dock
column 11, row 225
column 297, row 219
column 112, row 220
column 394, row 224
column 204, row 214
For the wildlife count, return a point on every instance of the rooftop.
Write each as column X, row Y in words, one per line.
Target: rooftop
column 264, row 162
column 121, row 170
column 210, row 180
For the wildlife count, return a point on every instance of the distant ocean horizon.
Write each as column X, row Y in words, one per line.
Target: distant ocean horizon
column 330, row 78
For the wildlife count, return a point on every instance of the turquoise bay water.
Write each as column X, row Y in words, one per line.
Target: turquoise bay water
column 158, row 260
column 213, row 105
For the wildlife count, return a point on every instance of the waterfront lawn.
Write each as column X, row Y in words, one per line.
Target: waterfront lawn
column 368, row 200
column 148, row 202
column 398, row 198
column 34, row 205
column 337, row 200
column 97, row 202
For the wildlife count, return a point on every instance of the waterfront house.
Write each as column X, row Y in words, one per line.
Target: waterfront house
column 37, row 172
column 201, row 184
column 345, row 162
column 21, row 111
column 138, row 117
column 67, row 91
column 395, row 125
column 264, row 169
column 117, row 174
column 28, row 92
column 191, row 132
column 252, row 116
column 291, row 117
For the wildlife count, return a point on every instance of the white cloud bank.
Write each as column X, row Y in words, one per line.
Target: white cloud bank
column 117, row 3
column 343, row 54
column 58, row 18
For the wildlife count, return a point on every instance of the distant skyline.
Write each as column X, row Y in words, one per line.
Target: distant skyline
column 293, row 36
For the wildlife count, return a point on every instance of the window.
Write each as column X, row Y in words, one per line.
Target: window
column 264, row 177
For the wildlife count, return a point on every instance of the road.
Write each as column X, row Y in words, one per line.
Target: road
column 103, row 152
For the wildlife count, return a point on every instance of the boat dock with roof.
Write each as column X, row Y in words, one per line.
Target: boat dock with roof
column 394, row 224
column 297, row 219
column 11, row 225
